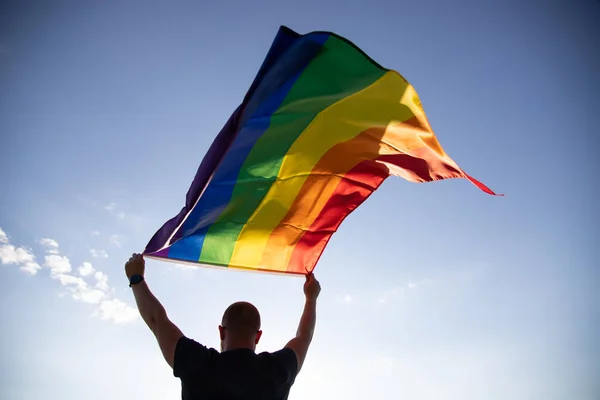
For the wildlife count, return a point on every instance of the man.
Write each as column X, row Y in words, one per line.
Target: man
column 236, row 372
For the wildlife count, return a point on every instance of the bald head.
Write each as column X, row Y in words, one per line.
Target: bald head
column 241, row 318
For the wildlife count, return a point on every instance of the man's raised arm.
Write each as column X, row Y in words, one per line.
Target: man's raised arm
column 152, row 312
column 306, row 327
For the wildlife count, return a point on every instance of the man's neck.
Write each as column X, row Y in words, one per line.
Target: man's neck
column 237, row 346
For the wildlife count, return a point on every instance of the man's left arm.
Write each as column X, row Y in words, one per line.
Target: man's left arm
column 153, row 313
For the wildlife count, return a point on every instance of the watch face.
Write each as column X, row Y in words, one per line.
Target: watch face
column 135, row 279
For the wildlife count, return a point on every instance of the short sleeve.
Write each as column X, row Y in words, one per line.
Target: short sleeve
column 190, row 358
column 287, row 361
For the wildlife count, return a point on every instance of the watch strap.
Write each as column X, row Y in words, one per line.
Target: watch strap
column 135, row 279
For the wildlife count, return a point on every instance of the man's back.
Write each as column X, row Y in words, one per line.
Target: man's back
column 238, row 372
column 234, row 374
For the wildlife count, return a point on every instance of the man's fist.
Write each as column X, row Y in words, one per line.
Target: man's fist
column 312, row 287
column 135, row 265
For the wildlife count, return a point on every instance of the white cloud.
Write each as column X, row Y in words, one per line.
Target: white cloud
column 95, row 233
column 89, row 295
column 102, row 281
column 116, row 311
column 114, row 209
column 50, row 244
column 80, row 290
column 98, row 253
column 86, row 269
column 107, row 307
column 115, row 240
column 345, row 298
column 10, row 254
column 30, row 268
column 20, row 256
column 60, row 268
column 66, row 280
column 414, row 285
column 57, row 264
column 410, row 285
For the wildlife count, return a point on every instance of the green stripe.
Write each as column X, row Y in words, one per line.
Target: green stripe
column 339, row 71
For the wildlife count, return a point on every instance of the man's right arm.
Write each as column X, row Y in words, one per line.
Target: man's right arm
column 306, row 327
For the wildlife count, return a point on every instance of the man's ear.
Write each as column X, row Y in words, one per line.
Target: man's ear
column 258, row 335
column 221, row 332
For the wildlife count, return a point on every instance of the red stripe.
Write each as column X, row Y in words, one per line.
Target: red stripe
column 357, row 185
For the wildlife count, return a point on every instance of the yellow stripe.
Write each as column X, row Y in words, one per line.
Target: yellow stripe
column 412, row 101
column 375, row 106
column 398, row 138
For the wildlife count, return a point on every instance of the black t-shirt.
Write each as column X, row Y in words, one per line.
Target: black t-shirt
column 235, row 374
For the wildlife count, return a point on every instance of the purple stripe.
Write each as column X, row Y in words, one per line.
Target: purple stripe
column 213, row 157
column 284, row 39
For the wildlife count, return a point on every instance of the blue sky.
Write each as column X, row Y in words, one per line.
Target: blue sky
column 429, row 291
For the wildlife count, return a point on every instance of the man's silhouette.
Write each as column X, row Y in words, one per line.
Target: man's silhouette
column 236, row 372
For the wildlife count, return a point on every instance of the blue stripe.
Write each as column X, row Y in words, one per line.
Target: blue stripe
column 219, row 191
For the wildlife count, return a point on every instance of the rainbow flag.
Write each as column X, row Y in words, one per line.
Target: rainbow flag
column 321, row 127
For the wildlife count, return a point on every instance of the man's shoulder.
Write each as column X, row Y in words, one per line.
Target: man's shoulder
column 285, row 352
column 190, row 356
column 187, row 344
column 284, row 359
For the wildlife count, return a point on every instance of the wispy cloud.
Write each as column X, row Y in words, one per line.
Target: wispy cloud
column 116, row 240
column 101, row 281
column 86, row 269
column 50, row 245
column 115, row 310
column 98, row 253
column 115, row 210
column 95, row 233
column 30, row 267
column 410, row 285
column 20, row 256
column 81, row 290
column 57, row 264
column 345, row 298
column 89, row 295
column 97, row 293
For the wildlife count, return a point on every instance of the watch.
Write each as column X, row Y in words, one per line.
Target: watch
column 135, row 279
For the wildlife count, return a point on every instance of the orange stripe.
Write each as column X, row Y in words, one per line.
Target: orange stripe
column 422, row 165
column 325, row 178
column 346, row 198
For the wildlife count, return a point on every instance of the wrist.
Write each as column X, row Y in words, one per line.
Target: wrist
column 135, row 279
column 311, row 299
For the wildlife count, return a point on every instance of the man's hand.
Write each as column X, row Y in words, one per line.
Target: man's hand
column 135, row 265
column 312, row 287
